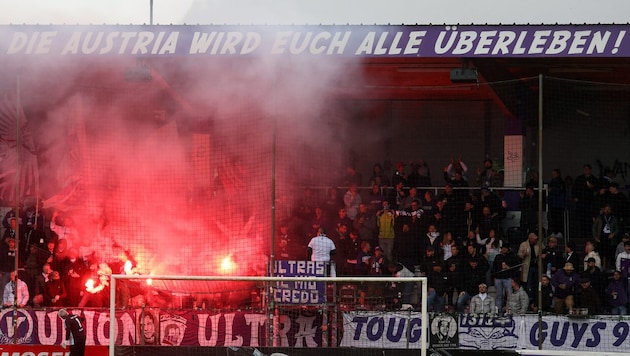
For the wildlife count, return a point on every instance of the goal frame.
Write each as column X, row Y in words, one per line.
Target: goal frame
column 421, row 280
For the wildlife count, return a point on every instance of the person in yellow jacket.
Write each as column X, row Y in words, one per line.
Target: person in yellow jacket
column 385, row 219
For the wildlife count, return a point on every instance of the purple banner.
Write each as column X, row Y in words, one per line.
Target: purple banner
column 300, row 293
column 164, row 327
column 325, row 40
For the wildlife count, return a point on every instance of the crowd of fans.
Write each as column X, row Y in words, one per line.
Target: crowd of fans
column 50, row 271
column 456, row 238
column 397, row 228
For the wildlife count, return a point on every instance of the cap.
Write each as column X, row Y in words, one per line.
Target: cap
column 585, row 280
column 590, row 259
column 568, row 266
column 378, row 248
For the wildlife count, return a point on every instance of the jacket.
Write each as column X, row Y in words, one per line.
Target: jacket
column 479, row 306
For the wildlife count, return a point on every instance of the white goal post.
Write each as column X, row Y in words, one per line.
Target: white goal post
column 421, row 281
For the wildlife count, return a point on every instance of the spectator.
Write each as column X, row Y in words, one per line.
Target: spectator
column 399, row 175
column 590, row 253
column 446, row 245
column 332, row 203
column 456, row 168
column 517, row 301
column 571, row 256
column 34, row 223
column 595, row 276
column 472, row 253
column 470, row 220
column 437, row 282
column 56, row 290
column 552, row 257
column 547, row 295
column 385, row 220
column 564, row 283
column 482, row 303
column 33, row 266
column 617, row 295
column 623, row 260
column 618, row 201
column 528, row 252
column 353, row 177
column 556, row 201
column 377, row 262
column 7, row 260
column 491, row 200
column 421, row 175
column 341, row 219
column 456, row 257
column 410, row 198
column 504, row 269
column 487, row 222
column 406, row 247
column 432, row 238
column 492, row 245
column 428, row 204
column 12, row 230
column 584, row 188
column 474, row 277
column 455, row 281
column 65, row 229
column 288, row 248
column 363, row 259
column 605, row 231
column 40, row 295
column 399, row 194
column 15, row 285
column 620, row 245
column 528, row 204
column 6, row 221
column 427, row 261
column 74, row 273
column 404, row 289
column 375, row 199
column 487, row 177
column 378, row 176
column 321, row 248
column 586, row 297
column 365, row 224
column 350, row 248
column 352, row 199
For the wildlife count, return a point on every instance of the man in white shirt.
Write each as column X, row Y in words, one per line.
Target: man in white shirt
column 10, row 289
column 623, row 260
column 322, row 248
column 482, row 303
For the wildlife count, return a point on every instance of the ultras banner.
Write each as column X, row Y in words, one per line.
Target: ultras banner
column 323, row 40
column 164, row 327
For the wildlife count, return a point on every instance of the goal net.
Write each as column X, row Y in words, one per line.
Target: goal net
column 295, row 310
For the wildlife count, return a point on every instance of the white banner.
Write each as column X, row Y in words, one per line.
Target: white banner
column 561, row 333
column 482, row 332
column 380, row 330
